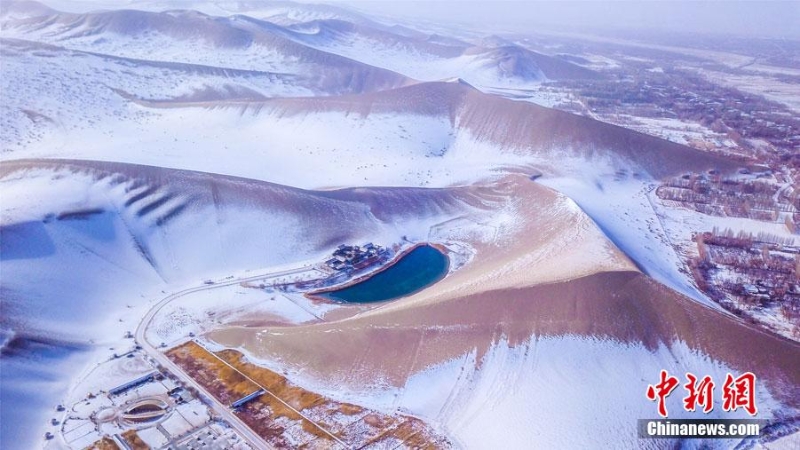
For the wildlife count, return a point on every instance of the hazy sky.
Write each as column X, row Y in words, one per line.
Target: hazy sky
column 751, row 18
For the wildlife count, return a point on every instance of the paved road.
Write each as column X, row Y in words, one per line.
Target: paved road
column 222, row 410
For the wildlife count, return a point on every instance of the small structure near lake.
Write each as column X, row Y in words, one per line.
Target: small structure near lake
column 354, row 257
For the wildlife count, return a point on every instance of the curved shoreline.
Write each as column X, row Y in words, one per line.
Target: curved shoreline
column 315, row 295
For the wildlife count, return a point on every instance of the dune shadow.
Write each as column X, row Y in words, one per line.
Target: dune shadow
column 25, row 240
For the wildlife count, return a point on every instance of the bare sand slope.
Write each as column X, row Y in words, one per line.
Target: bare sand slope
column 552, row 274
column 626, row 307
column 548, row 305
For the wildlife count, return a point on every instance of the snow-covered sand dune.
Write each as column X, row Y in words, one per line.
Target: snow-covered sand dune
column 105, row 76
column 148, row 211
column 232, row 46
column 388, row 136
column 329, row 40
column 110, row 238
column 487, row 64
column 566, row 364
column 514, row 127
column 145, row 152
column 88, row 246
column 547, row 335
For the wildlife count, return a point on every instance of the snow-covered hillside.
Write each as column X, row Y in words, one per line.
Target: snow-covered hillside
column 486, row 65
column 223, row 46
column 86, row 248
column 148, row 151
column 563, row 363
column 540, row 391
column 246, row 43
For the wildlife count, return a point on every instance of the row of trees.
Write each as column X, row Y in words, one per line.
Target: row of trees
column 690, row 97
column 754, row 199
column 761, row 270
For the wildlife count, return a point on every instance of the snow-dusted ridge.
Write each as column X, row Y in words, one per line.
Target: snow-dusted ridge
column 147, row 152
column 149, row 230
column 523, row 365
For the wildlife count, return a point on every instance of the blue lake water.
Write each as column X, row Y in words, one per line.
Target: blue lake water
column 416, row 270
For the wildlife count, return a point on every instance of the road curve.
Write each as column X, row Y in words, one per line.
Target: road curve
column 222, row 410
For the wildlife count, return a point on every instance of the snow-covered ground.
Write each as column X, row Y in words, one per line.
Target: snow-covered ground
column 87, row 250
column 541, row 391
column 201, row 311
column 541, row 95
column 478, row 69
column 85, row 92
column 343, row 150
column 763, row 84
column 679, row 131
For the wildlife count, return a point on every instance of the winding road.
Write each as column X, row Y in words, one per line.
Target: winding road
column 221, row 409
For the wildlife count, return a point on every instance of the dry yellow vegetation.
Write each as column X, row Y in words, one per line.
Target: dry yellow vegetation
column 287, row 408
column 134, row 441
column 225, row 383
column 299, row 398
column 106, row 443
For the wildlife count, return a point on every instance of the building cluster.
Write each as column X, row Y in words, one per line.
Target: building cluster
column 354, row 257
